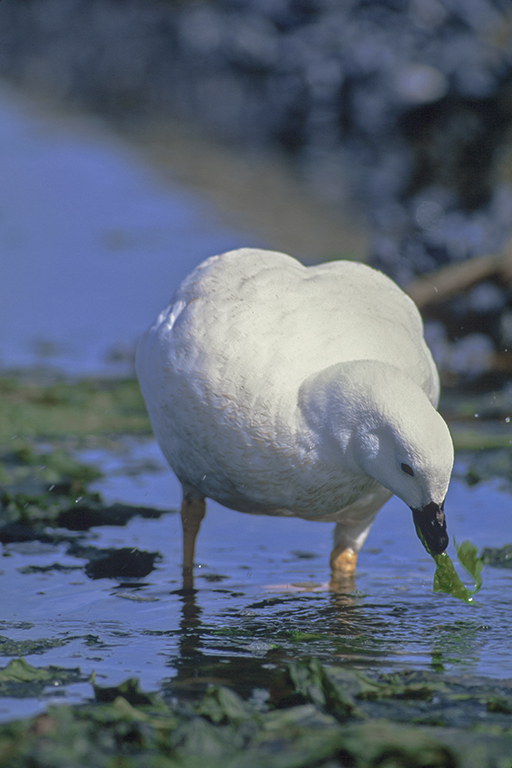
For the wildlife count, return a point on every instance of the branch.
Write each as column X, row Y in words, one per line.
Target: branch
column 459, row 278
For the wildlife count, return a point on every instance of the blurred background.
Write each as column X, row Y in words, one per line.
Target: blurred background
column 137, row 138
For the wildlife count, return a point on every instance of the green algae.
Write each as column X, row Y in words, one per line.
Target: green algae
column 31, row 410
column 305, row 724
column 21, row 680
column 47, row 487
column 446, row 578
column 10, row 647
column 44, row 498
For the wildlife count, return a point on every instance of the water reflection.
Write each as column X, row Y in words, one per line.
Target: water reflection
column 243, row 648
column 190, row 655
column 457, row 643
column 222, row 655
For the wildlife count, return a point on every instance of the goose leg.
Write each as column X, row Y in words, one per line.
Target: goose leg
column 342, row 561
column 350, row 533
column 349, row 537
column 192, row 512
column 348, row 540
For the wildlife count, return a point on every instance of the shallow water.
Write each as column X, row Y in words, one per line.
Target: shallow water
column 260, row 595
column 94, row 241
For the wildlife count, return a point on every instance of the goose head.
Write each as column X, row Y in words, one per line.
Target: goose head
column 387, row 428
column 410, row 452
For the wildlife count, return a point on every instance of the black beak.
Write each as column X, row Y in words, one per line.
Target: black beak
column 430, row 526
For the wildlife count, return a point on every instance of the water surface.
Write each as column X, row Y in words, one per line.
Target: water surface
column 260, row 598
column 94, row 241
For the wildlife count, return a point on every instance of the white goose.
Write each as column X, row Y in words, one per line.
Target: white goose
column 280, row 389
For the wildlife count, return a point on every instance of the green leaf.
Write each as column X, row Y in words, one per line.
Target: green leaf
column 446, row 578
column 18, row 670
column 307, row 681
column 129, row 690
column 222, row 705
column 467, row 557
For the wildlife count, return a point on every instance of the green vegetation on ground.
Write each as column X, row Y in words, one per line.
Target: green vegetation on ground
column 315, row 717
column 31, row 410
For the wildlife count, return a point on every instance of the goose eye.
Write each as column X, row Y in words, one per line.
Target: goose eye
column 407, row 469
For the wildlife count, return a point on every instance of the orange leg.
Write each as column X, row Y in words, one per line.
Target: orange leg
column 192, row 512
column 342, row 561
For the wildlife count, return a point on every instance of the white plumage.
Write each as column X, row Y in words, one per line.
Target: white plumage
column 284, row 390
